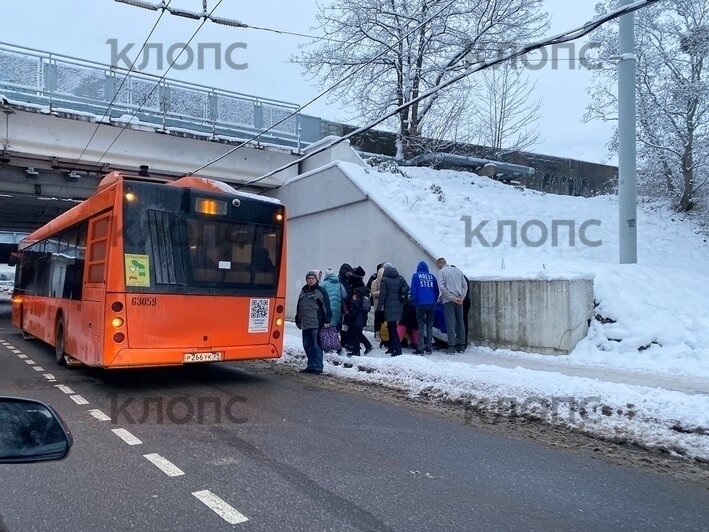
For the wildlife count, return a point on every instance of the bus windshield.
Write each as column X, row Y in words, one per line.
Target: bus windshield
column 234, row 249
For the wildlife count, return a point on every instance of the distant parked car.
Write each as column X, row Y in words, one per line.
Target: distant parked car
column 7, row 282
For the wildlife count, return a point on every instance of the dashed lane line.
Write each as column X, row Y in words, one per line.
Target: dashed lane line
column 99, row 415
column 221, row 507
column 78, row 400
column 126, row 436
column 218, row 505
column 167, row 467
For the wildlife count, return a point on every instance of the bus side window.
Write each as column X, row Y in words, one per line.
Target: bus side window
column 98, row 248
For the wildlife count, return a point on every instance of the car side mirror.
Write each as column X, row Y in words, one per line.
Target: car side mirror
column 12, row 259
column 31, row 431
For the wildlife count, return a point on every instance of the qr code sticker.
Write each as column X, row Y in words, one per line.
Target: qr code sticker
column 258, row 315
column 259, row 308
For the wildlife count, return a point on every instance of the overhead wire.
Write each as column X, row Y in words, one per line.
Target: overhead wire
column 558, row 39
column 322, row 94
column 99, row 122
column 157, row 84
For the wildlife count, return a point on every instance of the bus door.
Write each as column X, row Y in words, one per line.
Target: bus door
column 94, row 292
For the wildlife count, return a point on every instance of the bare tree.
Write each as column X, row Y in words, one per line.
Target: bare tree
column 672, row 94
column 358, row 31
column 505, row 110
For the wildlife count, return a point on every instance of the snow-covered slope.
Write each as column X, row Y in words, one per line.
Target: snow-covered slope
column 655, row 314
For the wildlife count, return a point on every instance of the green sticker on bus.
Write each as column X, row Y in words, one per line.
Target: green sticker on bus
column 137, row 270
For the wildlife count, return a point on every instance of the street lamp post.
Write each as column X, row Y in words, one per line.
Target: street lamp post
column 627, row 151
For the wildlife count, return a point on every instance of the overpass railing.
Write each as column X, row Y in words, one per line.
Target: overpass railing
column 11, row 237
column 60, row 82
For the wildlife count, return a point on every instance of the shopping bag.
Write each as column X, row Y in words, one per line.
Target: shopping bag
column 384, row 332
column 329, row 339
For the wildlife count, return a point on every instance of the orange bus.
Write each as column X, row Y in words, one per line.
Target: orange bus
column 152, row 273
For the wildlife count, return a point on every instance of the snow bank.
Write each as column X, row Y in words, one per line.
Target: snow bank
column 653, row 418
column 650, row 317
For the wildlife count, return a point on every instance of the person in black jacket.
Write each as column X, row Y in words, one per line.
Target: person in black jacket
column 344, row 275
column 393, row 292
column 312, row 314
column 359, row 312
column 357, row 337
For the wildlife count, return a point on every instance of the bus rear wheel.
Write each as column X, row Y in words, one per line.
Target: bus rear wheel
column 59, row 341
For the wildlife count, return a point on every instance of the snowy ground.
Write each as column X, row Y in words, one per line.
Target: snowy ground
column 672, row 421
column 642, row 373
column 656, row 312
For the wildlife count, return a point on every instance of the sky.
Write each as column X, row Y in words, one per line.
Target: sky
column 81, row 28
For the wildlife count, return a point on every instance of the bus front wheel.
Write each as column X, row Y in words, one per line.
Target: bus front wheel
column 59, row 343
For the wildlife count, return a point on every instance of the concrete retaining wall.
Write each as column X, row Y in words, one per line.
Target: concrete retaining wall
column 538, row 316
column 331, row 221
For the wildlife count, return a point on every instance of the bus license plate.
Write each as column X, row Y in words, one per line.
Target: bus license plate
column 203, row 357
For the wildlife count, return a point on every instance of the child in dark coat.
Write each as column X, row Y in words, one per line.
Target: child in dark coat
column 359, row 311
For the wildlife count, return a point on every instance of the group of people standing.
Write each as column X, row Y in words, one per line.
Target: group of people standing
column 344, row 301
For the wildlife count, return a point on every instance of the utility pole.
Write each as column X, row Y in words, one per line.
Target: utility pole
column 627, row 150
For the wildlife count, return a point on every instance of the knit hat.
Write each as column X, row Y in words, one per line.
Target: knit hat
column 311, row 273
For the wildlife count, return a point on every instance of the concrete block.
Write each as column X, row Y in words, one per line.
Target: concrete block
column 548, row 316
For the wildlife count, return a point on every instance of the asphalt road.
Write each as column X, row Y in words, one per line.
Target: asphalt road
column 270, row 450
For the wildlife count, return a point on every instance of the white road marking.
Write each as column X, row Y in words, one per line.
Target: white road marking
column 65, row 389
column 99, row 415
column 29, row 361
column 167, row 467
column 126, row 436
column 15, row 350
column 49, row 377
column 79, row 400
column 21, row 355
column 38, row 368
column 220, row 507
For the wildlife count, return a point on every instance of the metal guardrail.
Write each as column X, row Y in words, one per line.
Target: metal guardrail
column 68, row 83
column 7, row 237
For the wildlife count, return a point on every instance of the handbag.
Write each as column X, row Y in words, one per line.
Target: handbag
column 384, row 332
column 329, row 339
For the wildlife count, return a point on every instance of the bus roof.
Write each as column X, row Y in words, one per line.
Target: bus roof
column 82, row 210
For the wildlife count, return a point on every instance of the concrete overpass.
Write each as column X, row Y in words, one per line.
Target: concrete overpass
column 41, row 150
column 51, row 105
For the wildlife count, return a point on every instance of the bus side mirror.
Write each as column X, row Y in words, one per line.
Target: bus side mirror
column 31, row 431
column 12, row 259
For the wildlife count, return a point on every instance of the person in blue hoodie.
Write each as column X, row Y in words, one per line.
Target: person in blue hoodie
column 424, row 294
